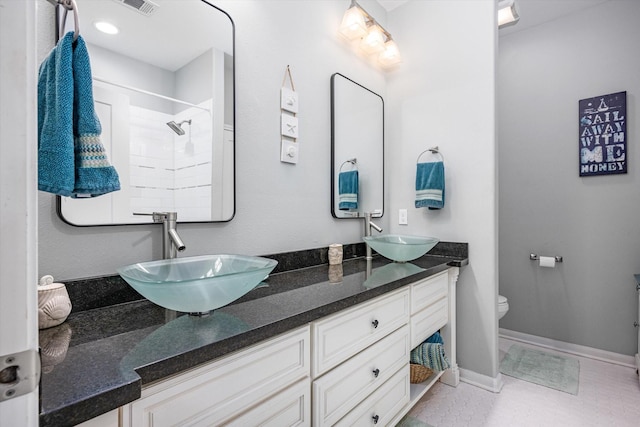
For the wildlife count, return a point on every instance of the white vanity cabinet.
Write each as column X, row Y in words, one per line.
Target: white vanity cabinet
column 360, row 356
column 355, row 352
column 349, row 369
column 267, row 384
column 340, row 336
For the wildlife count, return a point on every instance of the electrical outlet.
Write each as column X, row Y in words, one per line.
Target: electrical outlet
column 289, row 152
column 402, row 217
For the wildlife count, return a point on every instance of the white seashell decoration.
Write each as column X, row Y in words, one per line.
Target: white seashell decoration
column 54, row 304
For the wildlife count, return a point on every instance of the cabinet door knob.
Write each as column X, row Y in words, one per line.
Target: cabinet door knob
column 375, row 323
column 375, row 419
column 376, row 372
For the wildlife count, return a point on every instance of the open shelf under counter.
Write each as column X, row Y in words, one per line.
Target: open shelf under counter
column 416, row 392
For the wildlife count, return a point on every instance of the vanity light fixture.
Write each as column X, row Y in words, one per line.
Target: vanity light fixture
column 374, row 39
column 507, row 13
column 106, row 27
column 353, row 24
column 373, row 42
column 390, row 56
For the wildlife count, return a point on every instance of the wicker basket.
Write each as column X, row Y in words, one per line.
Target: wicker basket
column 419, row 373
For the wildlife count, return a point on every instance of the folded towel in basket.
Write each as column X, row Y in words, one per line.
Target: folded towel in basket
column 348, row 190
column 430, row 185
column 435, row 338
column 430, row 355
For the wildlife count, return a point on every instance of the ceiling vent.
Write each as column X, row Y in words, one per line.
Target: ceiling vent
column 145, row 7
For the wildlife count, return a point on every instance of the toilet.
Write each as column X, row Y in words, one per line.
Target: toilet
column 503, row 306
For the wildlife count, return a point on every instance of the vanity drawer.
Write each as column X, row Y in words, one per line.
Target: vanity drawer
column 338, row 337
column 383, row 405
column 290, row 407
column 428, row 291
column 428, row 321
column 341, row 389
column 226, row 387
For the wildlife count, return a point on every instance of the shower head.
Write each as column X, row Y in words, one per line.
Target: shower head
column 177, row 127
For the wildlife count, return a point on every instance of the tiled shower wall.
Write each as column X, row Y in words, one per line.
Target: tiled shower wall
column 163, row 162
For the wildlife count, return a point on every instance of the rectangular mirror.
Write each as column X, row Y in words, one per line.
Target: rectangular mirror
column 357, row 149
column 164, row 94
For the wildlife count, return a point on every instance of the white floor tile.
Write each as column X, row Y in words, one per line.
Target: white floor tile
column 608, row 395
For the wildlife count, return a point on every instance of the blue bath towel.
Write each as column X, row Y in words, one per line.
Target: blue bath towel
column 430, row 355
column 56, row 170
column 71, row 159
column 430, row 185
column 348, row 190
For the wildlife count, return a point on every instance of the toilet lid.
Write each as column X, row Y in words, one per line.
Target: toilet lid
column 501, row 299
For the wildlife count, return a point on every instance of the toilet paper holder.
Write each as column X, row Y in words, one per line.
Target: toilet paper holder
column 534, row 257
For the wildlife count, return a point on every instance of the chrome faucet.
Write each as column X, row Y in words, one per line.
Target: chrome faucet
column 368, row 225
column 171, row 241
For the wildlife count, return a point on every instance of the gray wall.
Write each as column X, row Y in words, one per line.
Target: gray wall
column 195, row 80
column 545, row 207
column 128, row 71
column 443, row 94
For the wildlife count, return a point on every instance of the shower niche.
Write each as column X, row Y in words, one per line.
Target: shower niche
column 164, row 93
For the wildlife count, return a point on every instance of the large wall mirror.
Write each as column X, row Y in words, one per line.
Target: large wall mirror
column 357, row 149
column 164, row 94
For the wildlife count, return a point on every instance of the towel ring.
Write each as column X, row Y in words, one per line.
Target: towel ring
column 353, row 162
column 70, row 5
column 433, row 150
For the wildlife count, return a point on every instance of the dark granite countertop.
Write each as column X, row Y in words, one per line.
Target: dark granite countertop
column 100, row 358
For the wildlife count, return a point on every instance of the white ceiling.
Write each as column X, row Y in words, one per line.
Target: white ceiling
column 176, row 33
column 536, row 12
column 391, row 4
column 532, row 12
column 162, row 39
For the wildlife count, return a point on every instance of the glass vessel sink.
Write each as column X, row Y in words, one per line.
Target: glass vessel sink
column 401, row 248
column 197, row 284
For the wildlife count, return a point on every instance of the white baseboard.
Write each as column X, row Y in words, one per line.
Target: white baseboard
column 565, row 347
column 483, row 381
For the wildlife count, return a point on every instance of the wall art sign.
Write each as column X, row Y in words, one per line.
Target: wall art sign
column 603, row 134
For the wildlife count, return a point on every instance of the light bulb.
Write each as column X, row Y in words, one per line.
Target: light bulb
column 373, row 42
column 390, row 55
column 106, row 27
column 353, row 24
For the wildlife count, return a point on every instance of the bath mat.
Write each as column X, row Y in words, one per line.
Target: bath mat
column 535, row 366
column 409, row 421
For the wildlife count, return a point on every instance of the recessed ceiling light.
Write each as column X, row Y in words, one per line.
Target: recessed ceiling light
column 106, row 27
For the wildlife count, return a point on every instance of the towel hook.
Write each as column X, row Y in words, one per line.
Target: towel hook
column 70, row 5
column 434, row 150
column 354, row 163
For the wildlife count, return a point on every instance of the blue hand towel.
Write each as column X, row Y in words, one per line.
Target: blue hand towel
column 348, row 190
column 56, row 172
column 430, row 355
column 430, row 185
column 71, row 158
column 94, row 175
